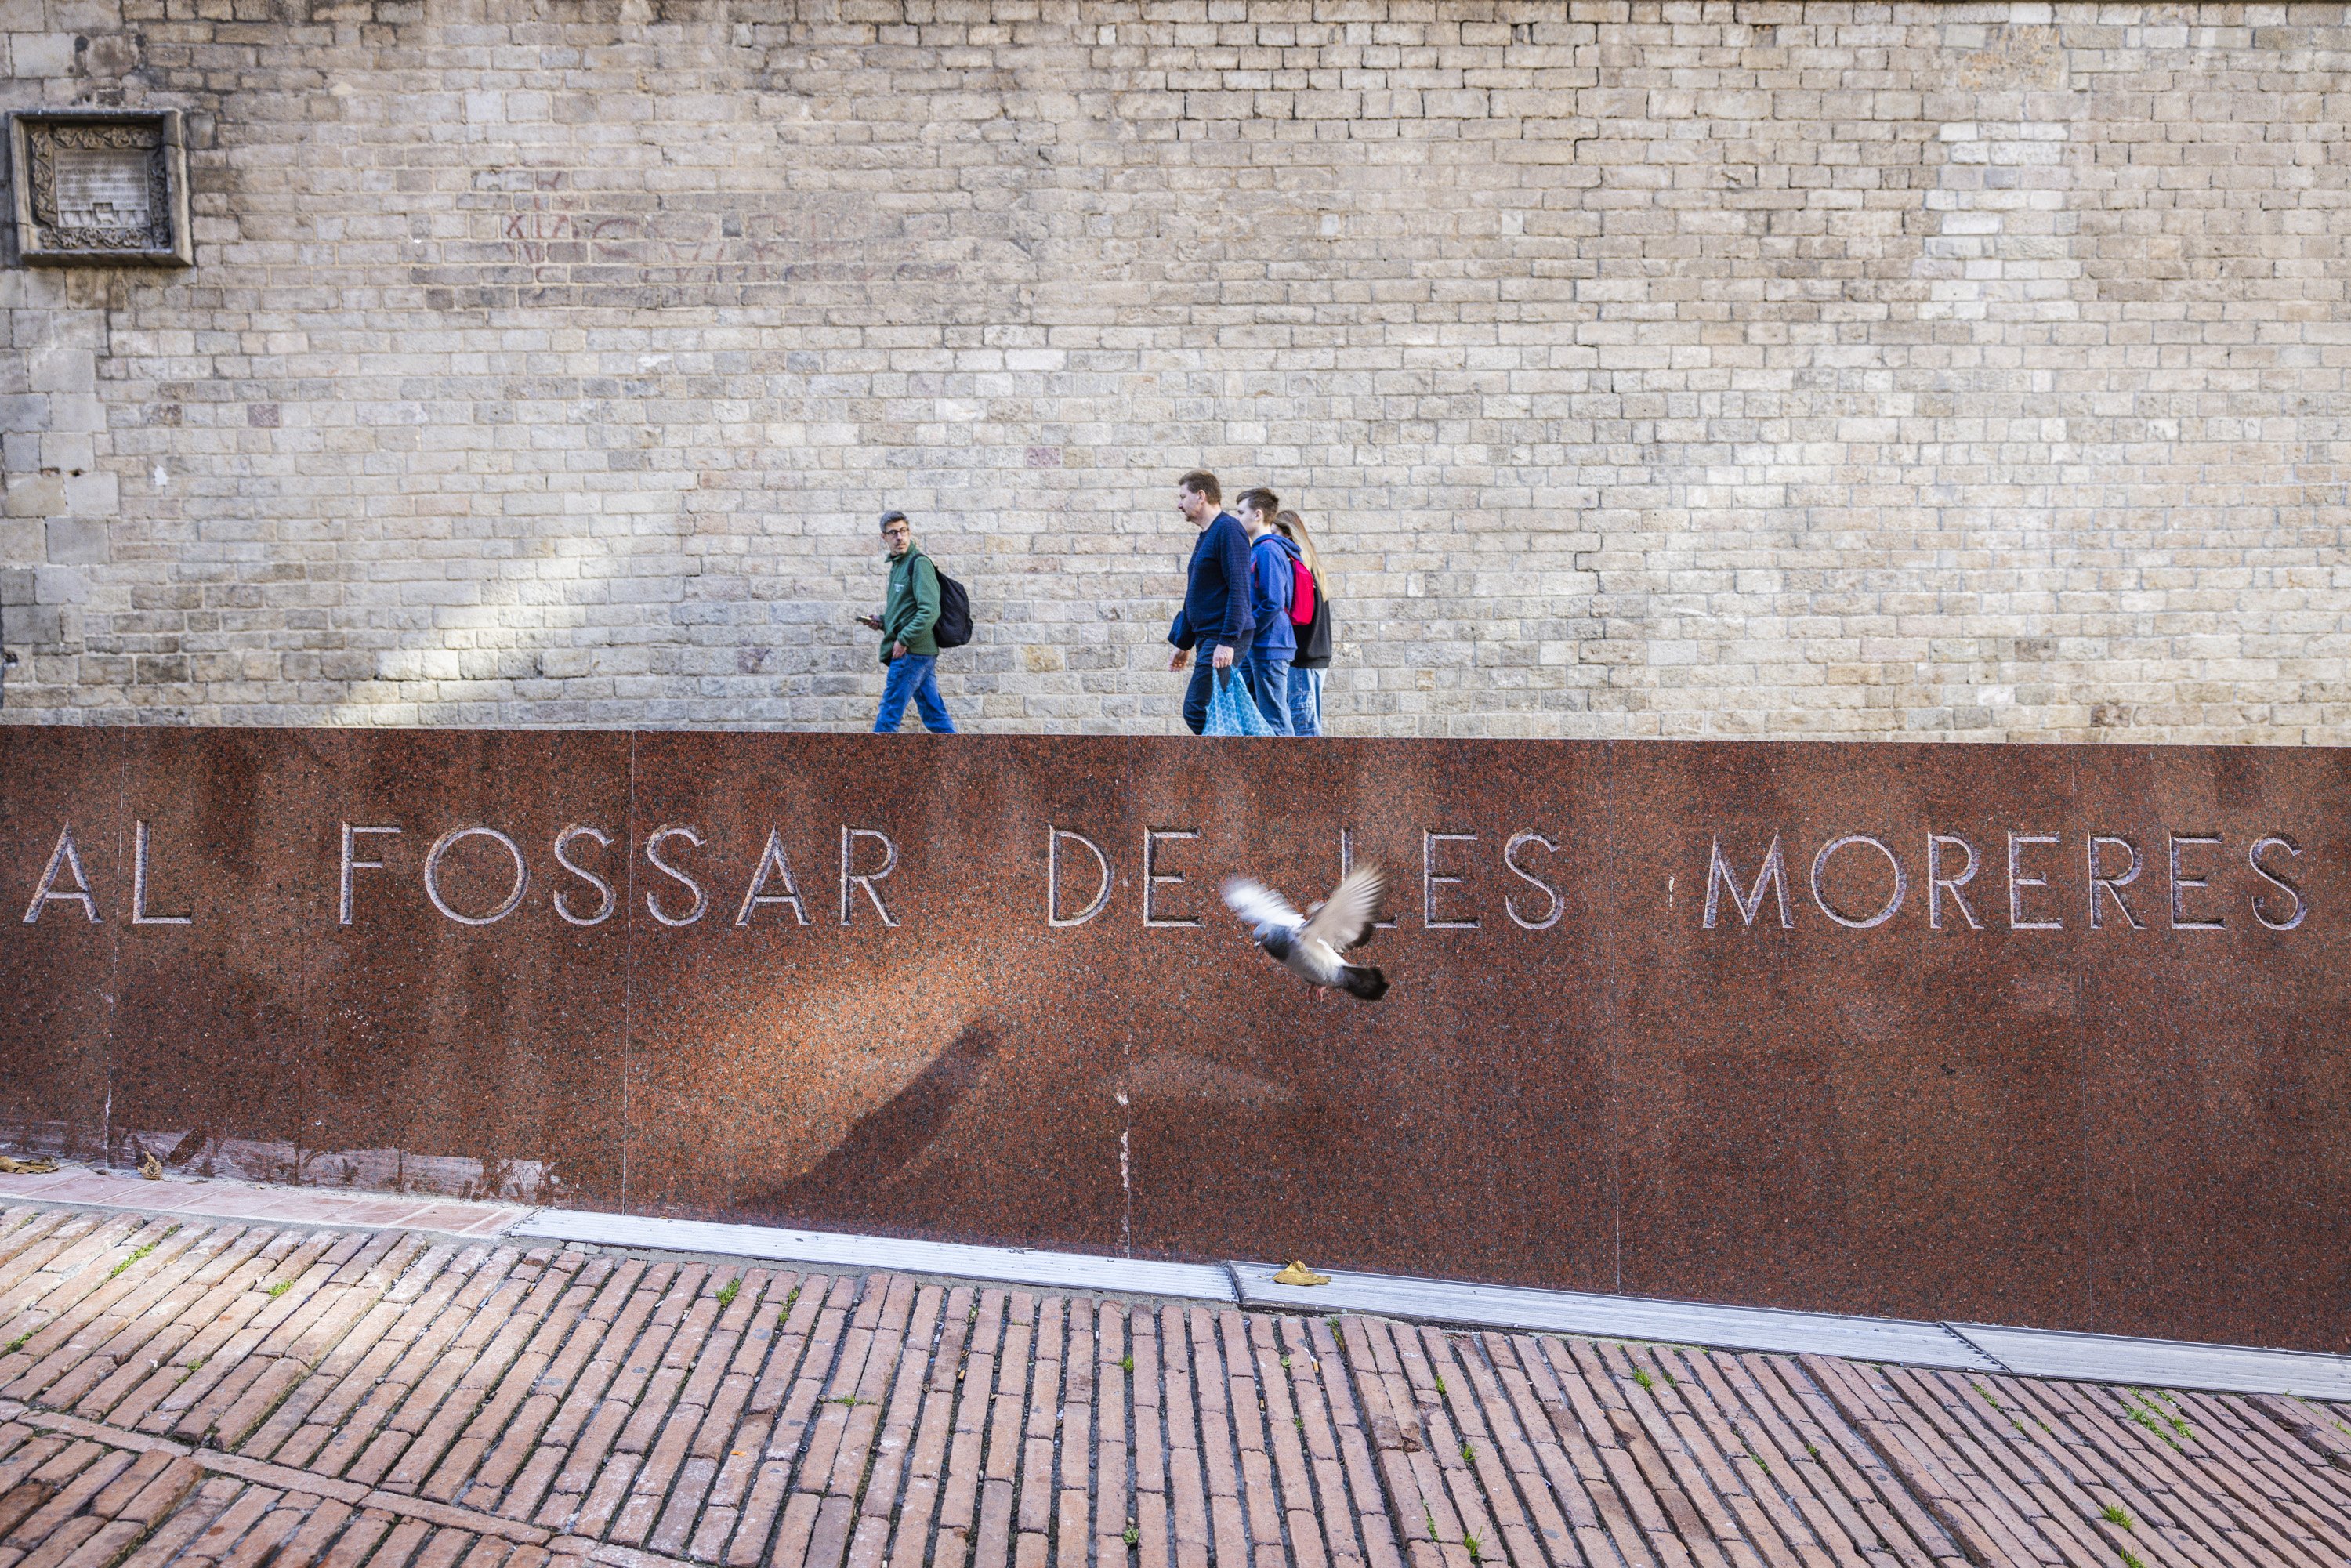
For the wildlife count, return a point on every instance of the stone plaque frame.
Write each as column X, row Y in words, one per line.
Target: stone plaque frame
column 35, row 138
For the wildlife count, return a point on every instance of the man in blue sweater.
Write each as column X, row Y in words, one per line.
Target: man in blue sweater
column 1214, row 617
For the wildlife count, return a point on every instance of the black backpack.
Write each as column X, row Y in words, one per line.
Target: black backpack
column 952, row 628
column 1315, row 640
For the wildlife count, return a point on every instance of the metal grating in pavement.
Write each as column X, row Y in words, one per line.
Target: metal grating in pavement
column 94, row 1187
column 1618, row 1317
column 1013, row 1265
column 2167, row 1363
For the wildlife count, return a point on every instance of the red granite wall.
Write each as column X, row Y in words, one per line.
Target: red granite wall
column 1613, row 1059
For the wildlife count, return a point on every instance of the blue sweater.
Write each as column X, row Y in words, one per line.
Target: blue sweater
column 1270, row 585
column 1215, row 590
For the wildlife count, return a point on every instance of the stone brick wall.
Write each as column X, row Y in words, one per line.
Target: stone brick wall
column 1789, row 369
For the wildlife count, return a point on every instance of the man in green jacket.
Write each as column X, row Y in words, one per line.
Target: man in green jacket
column 909, row 612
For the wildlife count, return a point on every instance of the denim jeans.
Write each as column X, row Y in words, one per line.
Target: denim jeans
column 914, row 676
column 1305, row 701
column 1268, row 683
column 1202, row 686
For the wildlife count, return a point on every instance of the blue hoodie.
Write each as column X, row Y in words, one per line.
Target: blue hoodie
column 1271, row 579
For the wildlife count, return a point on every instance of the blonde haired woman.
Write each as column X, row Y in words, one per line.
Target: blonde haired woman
column 1314, row 638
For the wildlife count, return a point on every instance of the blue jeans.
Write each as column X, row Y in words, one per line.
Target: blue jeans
column 1268, row 683
column 914, row 676
column 1202, row 686
column 1305, row 702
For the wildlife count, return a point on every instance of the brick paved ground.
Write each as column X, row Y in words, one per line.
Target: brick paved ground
column 179, row 1389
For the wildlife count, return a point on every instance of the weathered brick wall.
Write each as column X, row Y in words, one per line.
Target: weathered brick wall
column 1796, row 370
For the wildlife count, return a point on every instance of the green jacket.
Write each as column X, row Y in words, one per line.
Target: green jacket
column 911, row 608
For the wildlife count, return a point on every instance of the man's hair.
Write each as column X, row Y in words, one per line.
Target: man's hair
column 889, row 517
column 1200, row 482
column 1258, row 501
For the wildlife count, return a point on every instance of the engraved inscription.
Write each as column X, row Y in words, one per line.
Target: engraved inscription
column 2113, row 884
column 2291, row 889
column 1893, row 904
column 2206, row 888
column 1551, row 917
column 451, row 840
column 607, row 900
column 849, row 839
column 103, row 187
column 1347, row 863
column 1430, row 881
column 1938, row 885
column 65, row 858
column 139, row 913
column 772, row 863
column 2038, row 882
column 1720, row 878
column 1053, row 916
column 351, row 862
column 1153, row 878
column 2018, row 881
column 2181, row 884
column 660, row 836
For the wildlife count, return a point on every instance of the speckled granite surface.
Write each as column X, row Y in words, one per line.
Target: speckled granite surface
column 880, row 984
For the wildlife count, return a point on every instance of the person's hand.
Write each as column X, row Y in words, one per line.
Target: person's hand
column 897, row 650
column 874, row 622
column 1224, row 655
column 1183, row 657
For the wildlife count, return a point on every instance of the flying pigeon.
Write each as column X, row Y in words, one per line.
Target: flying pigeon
column 1312, row 945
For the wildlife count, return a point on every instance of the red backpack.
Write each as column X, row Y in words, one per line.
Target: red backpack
column 1301, row 594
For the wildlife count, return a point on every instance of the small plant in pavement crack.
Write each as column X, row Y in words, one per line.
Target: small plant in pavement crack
column 2114, row 1515
column 1641, row 1376
column 728, row 1291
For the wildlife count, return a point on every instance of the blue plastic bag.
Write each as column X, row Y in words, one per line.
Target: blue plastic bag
column 1231, row 709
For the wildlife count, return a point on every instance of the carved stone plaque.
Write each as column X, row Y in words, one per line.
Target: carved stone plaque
column 104, row 188
column 108, row 188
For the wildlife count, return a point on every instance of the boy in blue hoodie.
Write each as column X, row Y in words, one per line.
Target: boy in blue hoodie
column 1266, row 665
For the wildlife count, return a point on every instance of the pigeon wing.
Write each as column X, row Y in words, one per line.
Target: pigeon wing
column 1351, row 909
column 1258, row 906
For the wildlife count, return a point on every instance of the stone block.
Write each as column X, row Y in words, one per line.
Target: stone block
column 35, row 55
column 35, row 494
